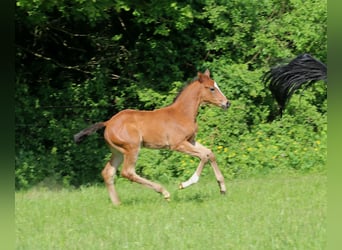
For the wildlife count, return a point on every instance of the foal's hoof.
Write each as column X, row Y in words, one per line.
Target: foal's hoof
column 166, row 195
column 180, row 186
column 223, row 192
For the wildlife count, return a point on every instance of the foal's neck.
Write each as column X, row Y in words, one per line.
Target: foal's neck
column 188, row 101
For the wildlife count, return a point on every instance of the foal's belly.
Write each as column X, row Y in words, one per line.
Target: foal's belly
column 156, row 140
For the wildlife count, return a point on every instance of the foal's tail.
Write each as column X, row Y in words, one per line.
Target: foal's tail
column 88, row 131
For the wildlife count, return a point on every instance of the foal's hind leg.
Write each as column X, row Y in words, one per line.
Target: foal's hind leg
column 128, row 171
column 108, row 174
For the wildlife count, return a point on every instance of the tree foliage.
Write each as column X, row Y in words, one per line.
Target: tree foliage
column 80, row 62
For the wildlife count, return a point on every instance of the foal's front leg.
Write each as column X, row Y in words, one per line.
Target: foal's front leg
column 195, row 177
column 198, row 150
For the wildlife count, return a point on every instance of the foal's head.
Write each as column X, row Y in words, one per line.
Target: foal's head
column 211, row 92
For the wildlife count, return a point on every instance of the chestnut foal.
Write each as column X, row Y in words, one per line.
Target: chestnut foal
column 173, row 127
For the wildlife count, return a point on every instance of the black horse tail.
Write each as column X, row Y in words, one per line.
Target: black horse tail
column 88, row 131
column 284, row 80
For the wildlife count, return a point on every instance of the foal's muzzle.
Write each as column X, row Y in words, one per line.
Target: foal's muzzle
column 225, row 105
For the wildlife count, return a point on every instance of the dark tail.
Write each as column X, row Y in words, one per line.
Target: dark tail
column 87, row 131
column 284, row 80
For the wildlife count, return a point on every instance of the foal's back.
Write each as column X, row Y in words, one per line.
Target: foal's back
column 160, row 128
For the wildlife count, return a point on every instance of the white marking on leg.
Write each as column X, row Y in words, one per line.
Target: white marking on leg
column 193, row 179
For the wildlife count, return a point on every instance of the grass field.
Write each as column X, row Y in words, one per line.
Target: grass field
column 270, row 212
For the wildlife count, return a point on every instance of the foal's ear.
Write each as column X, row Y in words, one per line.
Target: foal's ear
column 201, row 76
column 207, row 72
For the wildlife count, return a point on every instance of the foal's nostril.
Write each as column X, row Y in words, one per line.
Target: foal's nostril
column 226, row 105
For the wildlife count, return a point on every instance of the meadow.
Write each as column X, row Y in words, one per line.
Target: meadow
column 275, row 211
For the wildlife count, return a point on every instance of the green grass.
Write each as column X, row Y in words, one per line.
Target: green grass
column 270, row 212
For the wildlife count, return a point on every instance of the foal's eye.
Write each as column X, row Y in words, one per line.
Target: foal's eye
column 212, row 89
